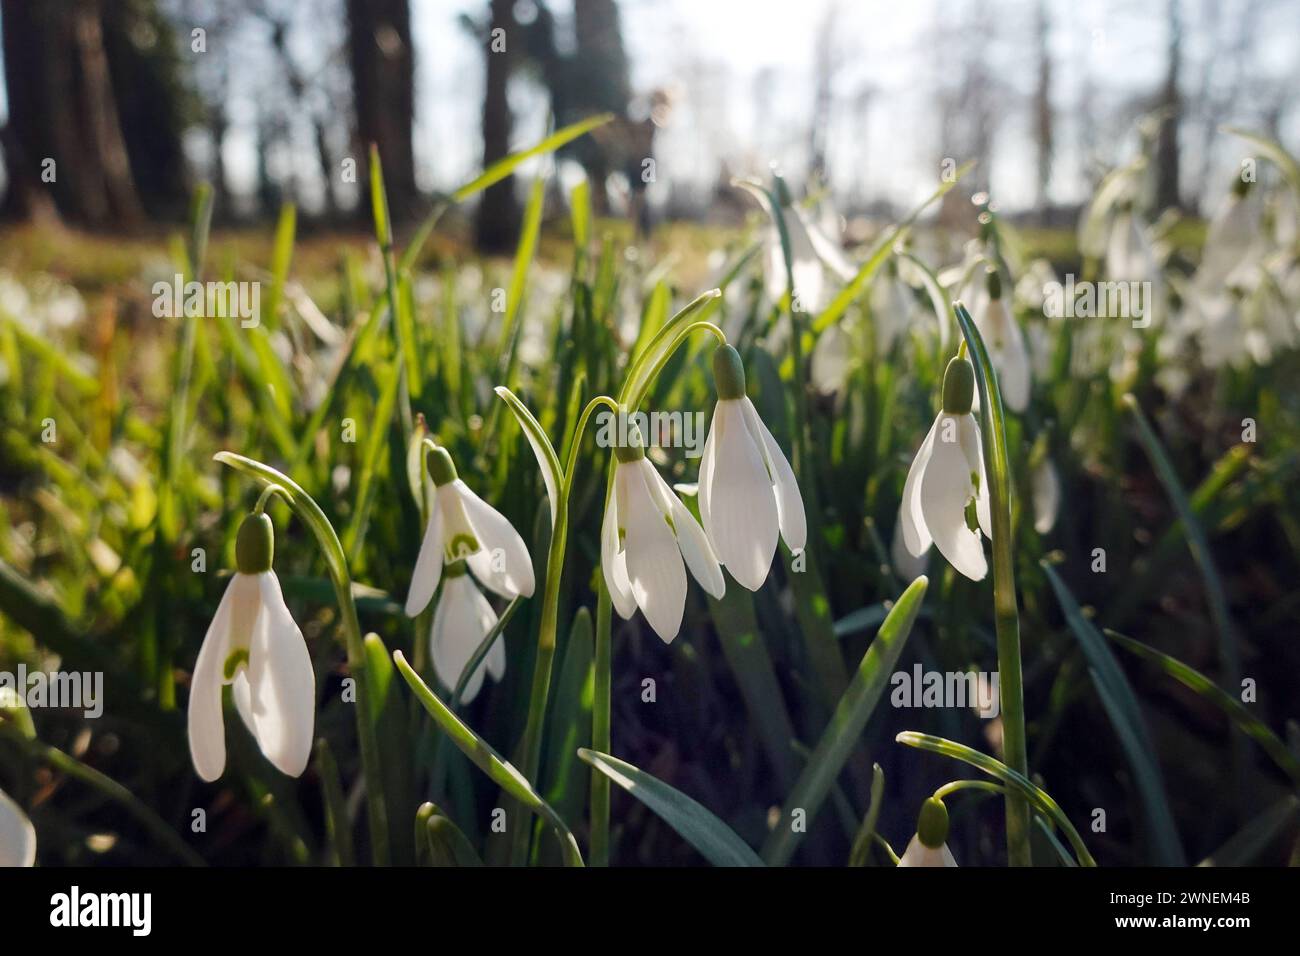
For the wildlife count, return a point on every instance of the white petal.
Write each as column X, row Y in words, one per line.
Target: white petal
column 503, row 564
column 1046, row 493
column 460, row 622
column 830, row 360
column 790, row 515
column 17, row 835
column 613, row 562
column 428, row 566
column 826, row 249
column 973, row 448
column 916, row 536
column 691, row 539
column 207, row 732
column 945, row 489
column 918, row 854
column 906, row 565
column 705, row 477
column 654, row 562
column 282, row 683
column 741, row 518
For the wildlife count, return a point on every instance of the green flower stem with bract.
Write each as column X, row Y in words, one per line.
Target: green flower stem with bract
column 1006, row 614
column 310, row 514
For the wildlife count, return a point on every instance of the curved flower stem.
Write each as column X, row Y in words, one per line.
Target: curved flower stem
column 598, row 849
column 1006, row 614
column 265, row 497
column 530, row 747
column 950, row 788
column 310, row 514
column 633, row 400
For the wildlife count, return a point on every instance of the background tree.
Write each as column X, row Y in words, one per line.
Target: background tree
column 383, row 93
column 98, row 88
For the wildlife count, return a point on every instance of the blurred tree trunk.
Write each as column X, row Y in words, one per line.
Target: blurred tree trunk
column 1043, row 118
column 1167, row 157
column 383, row 94
column 63, row 142
column 498, row 212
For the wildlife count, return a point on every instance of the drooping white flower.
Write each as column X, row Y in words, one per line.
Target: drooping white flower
column 812, row 253
column 830, row 366
column 1045, row 490
column 461, row 622
column 1005, row 342
column 946, row 476
column 647, row 540
column 1130, row 256
column 748, row 492
column 1232, row 236
column 17, row 835
column 462, row 526
column 929, row 847
column 253, row 644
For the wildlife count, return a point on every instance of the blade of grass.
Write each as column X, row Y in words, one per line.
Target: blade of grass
column 846, row 724
column 1121, row 706
column 478, row 750
column 715, row 841
column 1235, row 710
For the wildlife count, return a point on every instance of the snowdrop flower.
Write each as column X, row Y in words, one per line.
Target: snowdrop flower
column 463, row 526
column 929, row 846
column 646, row 536
column 1045, row 490
column 811, row 254
column 461, row 622
column 1130, row 257
column 17, row 835
column 1233, row 234
column 830, row 366
column 1006, row 344
column 946, row 476
column 253, row 644
column 747, row 488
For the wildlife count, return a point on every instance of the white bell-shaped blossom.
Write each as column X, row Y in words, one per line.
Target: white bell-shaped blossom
column 254, row 645
column 462, row 526
column 748, row 494
column 647, row 540
column 812, row 254
column 17, row 835
column 462, row 620
column 946, row 476
column 1045, row 490
column 1005, row 343
column 1234, row 234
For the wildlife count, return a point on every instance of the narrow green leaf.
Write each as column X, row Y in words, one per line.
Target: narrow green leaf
column 547, row 460
column 861, row 851
column 1199, row 544
column 847, row 723
column 504, row 167
column 478, row 750
column 716, row 841
column 1121, row 706
column 1194, row 680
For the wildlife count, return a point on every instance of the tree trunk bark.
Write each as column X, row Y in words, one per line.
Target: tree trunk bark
column 383, row 93
column 498, row 212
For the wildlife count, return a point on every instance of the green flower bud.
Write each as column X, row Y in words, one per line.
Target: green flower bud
column 728, row 373
column 932, row 825
column 255, row 544
column 634, row 450
column 958, row 387
column 441, row 468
